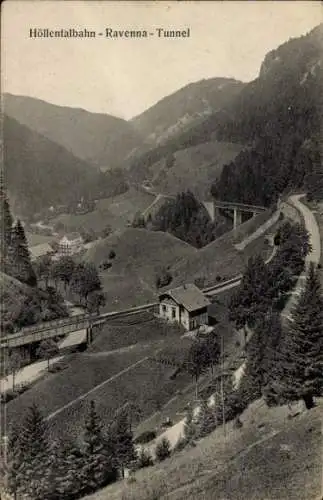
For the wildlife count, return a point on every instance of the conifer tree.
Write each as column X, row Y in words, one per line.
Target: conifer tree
column 6, row 221
column 14, row 461
column 189, row 425
column 19, row 263
column 73, row 481
column 259, row 360
column 144, row 459
column 298, row 369
column 123, row 441
column 163, row 449
column 251, row 299
column 206, row 421
column 98, row 456
column 32, row 448
column 196, row 361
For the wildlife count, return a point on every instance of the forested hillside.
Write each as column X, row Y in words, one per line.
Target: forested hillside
column 40, row 173
column 278, row 116
column 187, row 219
column 101, row 140
column 183, row 108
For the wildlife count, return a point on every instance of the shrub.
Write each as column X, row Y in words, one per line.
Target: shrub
column 105, row 265
column 8, row 396
column 164, row 278
column 145, row 437
column 200, row 282
column 163, row 450
column 144, row 459
column 112, row 254
column 181, row 444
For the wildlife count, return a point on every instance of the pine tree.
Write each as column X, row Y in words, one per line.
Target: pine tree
column 206, row 421
column 189, row 425
column 298, row 369
column 163, row 449
column 19, row 263
column 212, row 346
column 6, row 221
column 196, row 361
column 260, row 357
column 251, row 299
column 123, row 441
column 33, row 449
column 72, row 480
column 144, row 459
column 98, row 457
column 14, row 461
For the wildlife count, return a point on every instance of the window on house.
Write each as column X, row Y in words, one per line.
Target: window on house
column 164, row 308
column 173, row 312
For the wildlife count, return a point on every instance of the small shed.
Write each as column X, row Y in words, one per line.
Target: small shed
column 186, row 305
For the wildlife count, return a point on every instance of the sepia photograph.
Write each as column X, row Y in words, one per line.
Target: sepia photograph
column 161, row 221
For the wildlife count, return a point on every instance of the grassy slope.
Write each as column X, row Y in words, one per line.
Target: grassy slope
column 37, row 239
column 140, row 254
column 148, row 384
column 194, row 168
column 221, row 257
column 116, row 212
column 270, row 458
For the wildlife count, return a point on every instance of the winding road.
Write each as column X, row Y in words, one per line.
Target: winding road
column 311, row 226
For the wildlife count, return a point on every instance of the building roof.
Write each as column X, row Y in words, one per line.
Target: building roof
column 189, row 296
column 40, row 250
column 71, row 237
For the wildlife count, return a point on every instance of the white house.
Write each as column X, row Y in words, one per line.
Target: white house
column 70, row 244
column 186, row 305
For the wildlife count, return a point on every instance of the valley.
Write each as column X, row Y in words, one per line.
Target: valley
column 161, row 285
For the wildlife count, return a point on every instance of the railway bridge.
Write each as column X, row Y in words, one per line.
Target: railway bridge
column 213, row 207
column 33, row 335
column 64, row 326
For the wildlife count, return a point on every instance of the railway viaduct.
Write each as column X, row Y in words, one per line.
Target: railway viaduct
column 213, row 208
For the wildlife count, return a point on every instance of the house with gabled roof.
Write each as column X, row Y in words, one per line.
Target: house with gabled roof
column 70, row 244
column 186, row 305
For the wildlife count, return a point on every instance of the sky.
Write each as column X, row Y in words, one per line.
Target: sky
column 123, row 77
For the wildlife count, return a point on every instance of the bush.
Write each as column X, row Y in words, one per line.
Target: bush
column 163, row 279
column 8, row 396
column 145, row 437
column 181, row 444
column 112, row 254
column 163, row 450
column 105, row 265
column 200, row 282
column 144, row 459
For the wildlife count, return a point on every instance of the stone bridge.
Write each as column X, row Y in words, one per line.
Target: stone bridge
column 213, row 207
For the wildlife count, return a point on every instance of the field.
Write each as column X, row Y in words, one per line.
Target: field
column 272, row 457
column 115, row 212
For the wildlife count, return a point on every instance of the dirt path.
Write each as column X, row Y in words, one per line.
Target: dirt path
column 27, row 374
